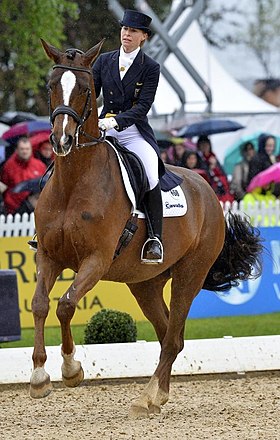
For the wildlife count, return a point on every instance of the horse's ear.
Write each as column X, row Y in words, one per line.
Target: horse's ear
column 93, row 53
column 53, row 53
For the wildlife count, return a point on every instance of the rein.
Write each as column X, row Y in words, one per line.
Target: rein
column 67, row 110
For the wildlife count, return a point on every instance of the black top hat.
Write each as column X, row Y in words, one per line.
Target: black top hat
column 137, row 20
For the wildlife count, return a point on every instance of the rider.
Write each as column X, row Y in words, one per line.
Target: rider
column 129, row 79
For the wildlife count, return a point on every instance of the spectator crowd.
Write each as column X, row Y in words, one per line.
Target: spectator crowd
column 32, row 155
column 200, row 158
column 27, row 163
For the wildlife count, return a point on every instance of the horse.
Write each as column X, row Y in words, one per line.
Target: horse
column 80, row 216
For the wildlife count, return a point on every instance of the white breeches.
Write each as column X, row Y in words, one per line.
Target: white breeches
column 133, row 141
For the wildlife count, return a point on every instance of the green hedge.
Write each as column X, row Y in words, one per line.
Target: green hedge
column 110, row 326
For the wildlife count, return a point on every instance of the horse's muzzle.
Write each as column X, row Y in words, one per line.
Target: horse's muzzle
column 63, row 146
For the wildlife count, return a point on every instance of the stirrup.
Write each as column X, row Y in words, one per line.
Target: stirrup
column 149, row 260
column 33, row 244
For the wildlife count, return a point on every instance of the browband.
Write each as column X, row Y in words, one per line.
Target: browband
column 80, row 69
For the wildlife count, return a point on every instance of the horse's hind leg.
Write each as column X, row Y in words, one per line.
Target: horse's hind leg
column 149, row 295
column 47, row 272
column 186, row 283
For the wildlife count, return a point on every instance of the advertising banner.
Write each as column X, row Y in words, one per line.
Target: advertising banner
column 15, row 254
column 249, row 298
column 252, row 297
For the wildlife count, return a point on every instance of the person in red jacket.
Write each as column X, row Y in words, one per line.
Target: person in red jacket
column 218, row 178
column 19, row 167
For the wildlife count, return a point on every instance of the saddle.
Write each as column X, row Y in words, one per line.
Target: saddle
column 135, row 170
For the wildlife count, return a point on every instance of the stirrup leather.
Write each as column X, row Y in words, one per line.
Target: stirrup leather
column 149, row 260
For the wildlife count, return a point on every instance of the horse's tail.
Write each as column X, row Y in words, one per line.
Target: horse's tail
column 240, row 258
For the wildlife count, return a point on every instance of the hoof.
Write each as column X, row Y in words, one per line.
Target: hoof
column 154, row 409
column 138, row 412
column 40, row 390
column 40, row 384
column 75, row 380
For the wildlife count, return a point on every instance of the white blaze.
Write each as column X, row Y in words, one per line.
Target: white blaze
column 68, row 81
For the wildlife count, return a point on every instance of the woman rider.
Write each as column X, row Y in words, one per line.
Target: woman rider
column 129, row 79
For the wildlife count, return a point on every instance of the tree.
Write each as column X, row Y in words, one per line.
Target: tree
column 64, row 24
column 219, row 23
column 255, row 26
column 262, row 35
column 96, row 21
column 23, row 64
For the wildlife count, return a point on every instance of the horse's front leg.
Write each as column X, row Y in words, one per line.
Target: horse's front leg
column 89, row 274
column 47, row 272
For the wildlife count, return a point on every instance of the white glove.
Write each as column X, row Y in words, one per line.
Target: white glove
column 107, row 123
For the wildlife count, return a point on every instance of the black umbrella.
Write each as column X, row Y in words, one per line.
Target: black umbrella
column 32, row 185
column 209, row 126
column 11, row 118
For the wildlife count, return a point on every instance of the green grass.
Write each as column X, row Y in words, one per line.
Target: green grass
column 195, row 329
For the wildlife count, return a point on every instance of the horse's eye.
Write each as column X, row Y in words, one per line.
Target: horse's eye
column 82, row 89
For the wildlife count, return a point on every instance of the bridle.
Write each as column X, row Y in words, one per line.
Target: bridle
column 67, row 110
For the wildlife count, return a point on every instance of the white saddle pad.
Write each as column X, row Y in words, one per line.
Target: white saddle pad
column 173, row 201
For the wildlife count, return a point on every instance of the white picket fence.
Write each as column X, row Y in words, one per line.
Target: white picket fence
column 17, row 225
column 261, row 214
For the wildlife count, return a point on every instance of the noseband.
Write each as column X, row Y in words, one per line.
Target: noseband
column 67, row 110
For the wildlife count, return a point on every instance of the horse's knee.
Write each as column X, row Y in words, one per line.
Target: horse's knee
column 65, row 309
column 40, row 306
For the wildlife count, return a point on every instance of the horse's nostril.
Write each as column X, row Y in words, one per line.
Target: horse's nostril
column 68, row 141
column 53, row 140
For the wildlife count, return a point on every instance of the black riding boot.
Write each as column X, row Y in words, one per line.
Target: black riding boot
column 153, row 251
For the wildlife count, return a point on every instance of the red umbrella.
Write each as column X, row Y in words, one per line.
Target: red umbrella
column 270, row 175
column 26, row 128
column 38, row 138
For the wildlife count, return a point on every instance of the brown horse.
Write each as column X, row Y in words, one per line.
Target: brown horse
column 81, row 214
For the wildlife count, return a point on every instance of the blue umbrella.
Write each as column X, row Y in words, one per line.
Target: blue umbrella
column 233, row 153
column 209, row 126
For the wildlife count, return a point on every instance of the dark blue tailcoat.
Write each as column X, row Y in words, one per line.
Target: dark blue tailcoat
column 131, row 98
